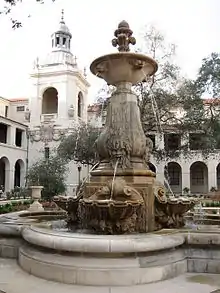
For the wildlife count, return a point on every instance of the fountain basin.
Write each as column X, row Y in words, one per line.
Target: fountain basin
column 170, row 211
column 109, row 260
column 123, row 67
column 70, row 205
column 112, row 216
column 101, row 260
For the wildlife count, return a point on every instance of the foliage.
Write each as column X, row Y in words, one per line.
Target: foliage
column 50, row 173
column 14, row 206
column 80, row 145
column 169, row 103
column 209, row 75
column 18, row 192
column 8, row 8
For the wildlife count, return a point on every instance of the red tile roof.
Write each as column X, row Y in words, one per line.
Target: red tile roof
column 18, row 100
column 209, row 101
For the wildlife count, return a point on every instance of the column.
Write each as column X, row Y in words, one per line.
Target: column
column 185, row 175
column 212, row 175
column 24, row 139
column 11, row 135
column 160, row 171
column 159, row 141
column 9, row 178
column 185, row 140
column 22, row 176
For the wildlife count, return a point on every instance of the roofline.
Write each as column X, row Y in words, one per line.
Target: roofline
column 6, row 118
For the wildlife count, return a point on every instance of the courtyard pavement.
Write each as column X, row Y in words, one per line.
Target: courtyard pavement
column 14, row 280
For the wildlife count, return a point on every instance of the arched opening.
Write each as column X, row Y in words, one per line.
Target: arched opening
column 218, row 176
column 80, row 105
column 175, row 177
column 19, row 173
column 4, row 167
column 152, row 167
column 199, row 178
column 50, row 101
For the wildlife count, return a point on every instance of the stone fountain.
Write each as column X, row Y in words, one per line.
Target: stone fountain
column 119, row 198
column 122, row 197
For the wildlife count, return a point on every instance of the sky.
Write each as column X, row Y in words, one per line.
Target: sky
column 193, row 25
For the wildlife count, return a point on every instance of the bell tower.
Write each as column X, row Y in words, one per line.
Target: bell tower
column 59, row 87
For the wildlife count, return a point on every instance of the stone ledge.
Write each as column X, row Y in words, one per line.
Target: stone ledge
column 9, row 247
column 210, row 266
column 97, row 271
column 101, row 243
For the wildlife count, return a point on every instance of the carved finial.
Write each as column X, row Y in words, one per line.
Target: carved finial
column 123, row 37
column 62, row 16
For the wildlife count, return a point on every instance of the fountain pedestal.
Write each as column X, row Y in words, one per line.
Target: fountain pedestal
column 122, row 146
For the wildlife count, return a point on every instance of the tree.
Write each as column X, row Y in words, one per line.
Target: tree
column 170, row 103
column 8, row 8
column 156, row 96
column 209, row 75
column 79, row 146
column 50, row 173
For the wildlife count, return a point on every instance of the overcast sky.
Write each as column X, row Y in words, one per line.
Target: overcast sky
column 193, row 25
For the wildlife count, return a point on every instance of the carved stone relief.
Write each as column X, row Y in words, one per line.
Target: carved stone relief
column 46, row 133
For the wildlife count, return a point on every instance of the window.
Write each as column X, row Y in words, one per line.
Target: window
column 6, row 111
column 46, row 152
column 64, row 41
column 57, row 40
column 198, row 176
column 172, row 141
column 174, row 175
column 3, row 133
column 20, row 108
column 197, row 141
column 18, row 137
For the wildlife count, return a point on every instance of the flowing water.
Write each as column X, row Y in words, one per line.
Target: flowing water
column 113, row 180
column 160, row 130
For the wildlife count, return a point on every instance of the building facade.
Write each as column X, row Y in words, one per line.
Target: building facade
column 191, row 171
column 32, row 127
column 57, row 104
column 13, row 148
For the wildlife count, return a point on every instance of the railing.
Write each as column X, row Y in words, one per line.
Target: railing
column 48, row 117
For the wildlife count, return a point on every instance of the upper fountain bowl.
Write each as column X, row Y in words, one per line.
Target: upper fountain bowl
column 123, row 67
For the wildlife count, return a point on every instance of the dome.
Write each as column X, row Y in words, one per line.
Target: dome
column 123, row 24
column 63, row 28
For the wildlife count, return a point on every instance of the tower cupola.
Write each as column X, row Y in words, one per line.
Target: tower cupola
column 61, row 38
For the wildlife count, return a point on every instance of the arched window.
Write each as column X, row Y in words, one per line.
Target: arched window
column 175, row 177
column 199, row 178
column 218, row 176
column 50, row 101
column 80, row 105
column 4, row 167
column 19, row 173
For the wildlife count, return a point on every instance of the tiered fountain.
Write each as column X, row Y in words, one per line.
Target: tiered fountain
column 122, row 197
